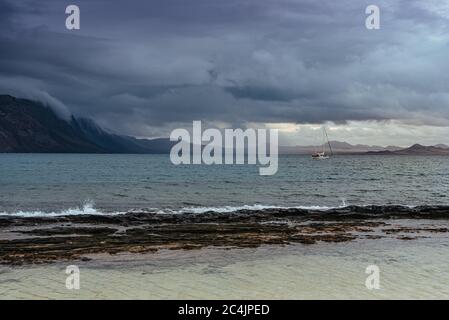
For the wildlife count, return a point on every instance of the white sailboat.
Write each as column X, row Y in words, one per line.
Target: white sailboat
column 323, row 155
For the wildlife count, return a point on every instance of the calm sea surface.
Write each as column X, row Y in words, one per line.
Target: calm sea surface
column 65, row 183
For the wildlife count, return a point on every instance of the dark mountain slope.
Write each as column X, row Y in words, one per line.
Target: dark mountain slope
column 28, row 126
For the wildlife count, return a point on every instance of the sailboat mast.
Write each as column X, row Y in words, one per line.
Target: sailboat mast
column 328, row 142
column 323, row 143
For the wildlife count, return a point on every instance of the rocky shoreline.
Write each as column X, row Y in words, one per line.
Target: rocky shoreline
column 49, row 239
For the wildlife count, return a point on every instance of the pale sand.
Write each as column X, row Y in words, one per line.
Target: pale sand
column 409, row 269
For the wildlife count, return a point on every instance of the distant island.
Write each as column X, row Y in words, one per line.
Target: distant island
column 344, row 148
column 32, row 127
column 416, row 149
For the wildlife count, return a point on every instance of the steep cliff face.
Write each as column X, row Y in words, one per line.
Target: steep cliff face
column 27, row 126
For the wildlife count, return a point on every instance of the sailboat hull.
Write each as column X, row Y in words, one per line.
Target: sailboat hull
column 320, row 157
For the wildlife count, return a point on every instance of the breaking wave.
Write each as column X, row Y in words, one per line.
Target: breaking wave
column 87, row 209
column 228, row 209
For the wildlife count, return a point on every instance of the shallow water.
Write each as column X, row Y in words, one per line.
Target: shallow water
column 116, row 183
column 408, row 269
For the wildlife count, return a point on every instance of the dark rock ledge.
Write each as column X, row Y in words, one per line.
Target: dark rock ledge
column 43, row 240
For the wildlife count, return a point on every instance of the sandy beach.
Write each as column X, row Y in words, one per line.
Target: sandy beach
column 409, row 270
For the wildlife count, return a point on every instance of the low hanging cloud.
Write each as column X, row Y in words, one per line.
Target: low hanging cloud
column 149, row 66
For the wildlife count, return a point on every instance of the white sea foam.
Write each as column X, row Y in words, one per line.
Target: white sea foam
column 256, row 207
column 227, row 209
column 87, row 209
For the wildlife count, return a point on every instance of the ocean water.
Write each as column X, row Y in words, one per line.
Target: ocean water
column 33, row 184
column 41, row 184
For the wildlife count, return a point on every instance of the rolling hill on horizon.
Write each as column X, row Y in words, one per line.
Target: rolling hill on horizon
column 416, row 149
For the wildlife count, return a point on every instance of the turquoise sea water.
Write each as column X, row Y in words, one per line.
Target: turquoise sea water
column 55, row 183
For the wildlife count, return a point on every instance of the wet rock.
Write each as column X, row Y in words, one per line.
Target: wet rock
column 73, row 237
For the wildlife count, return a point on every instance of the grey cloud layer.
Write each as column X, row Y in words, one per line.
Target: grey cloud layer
column 155, row 64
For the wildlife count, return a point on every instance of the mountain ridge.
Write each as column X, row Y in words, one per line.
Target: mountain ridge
column 32, row 127
column 416, row 149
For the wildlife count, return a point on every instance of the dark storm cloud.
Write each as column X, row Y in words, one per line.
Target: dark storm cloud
column 142, row 67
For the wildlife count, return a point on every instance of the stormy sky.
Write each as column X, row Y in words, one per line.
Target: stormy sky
column 144, row 67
